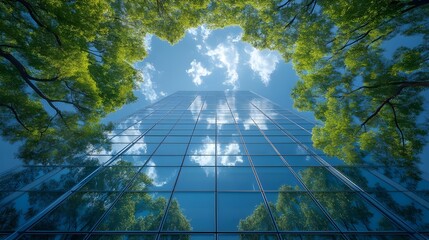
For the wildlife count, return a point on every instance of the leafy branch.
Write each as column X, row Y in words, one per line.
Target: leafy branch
column 37, row 20
column 15, row 113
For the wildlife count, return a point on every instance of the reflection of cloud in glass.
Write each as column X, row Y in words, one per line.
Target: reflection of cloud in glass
column 205, row 156
column 300, row 150
column 254, row 113
column 137, row 149
column 153, row 175
column 230, row 149
column 196, row 107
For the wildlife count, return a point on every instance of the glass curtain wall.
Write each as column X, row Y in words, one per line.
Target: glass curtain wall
column 211, row 165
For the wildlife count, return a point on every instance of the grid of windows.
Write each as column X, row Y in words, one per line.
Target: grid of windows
column 212, row 165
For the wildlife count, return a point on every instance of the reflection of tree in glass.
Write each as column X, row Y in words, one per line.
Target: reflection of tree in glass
column 295, row 210
column 9, row 218
column 409, row 211
column 292, row 211
column 137, row 210
column 134, row 210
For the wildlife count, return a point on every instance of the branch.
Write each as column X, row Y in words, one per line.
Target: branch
column 291, row 21
column 48, row 125
column 27, row 79
column 284, row 4
column 404, row 84
column 356, row 40
column 386, row 101
column 378, row 38
column 397, row 125
column 21, row 69
column 35, row 17
column 415, row 4
column 76, row 91
column 16, row 115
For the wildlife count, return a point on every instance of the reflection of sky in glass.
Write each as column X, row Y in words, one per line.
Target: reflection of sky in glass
column 210, row 176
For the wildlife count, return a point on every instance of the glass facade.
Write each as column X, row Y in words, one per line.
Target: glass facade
column 212, row 165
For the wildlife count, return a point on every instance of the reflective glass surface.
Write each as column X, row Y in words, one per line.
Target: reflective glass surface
column 212, row 165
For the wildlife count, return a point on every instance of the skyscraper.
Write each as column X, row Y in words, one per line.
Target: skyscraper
column 211, row 165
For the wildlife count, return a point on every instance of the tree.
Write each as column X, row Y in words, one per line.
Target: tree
column 368, row 105
column 66, row 65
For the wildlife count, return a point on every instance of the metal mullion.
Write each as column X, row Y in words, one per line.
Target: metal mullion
column 164, row 217
column 131, row 181
column 215, row 176
column 264, row 197
column 353, row 186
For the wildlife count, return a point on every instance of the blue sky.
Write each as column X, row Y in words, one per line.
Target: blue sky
column 211, row 60
column 207, row 60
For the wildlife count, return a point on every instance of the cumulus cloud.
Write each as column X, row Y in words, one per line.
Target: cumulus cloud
column 147, row 87
column 226, row 56
column 197, row 71
column 263, row 63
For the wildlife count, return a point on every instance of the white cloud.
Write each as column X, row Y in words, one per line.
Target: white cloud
column 263, row 63
column 205, row 32
column 235, row 38
column 197, row 105
column 193, row 32
column 147, row 86
column 153, row 175
column 197, row 71
column 202, row 31
column 229, row 150
column 147, row 42
column 227, row 56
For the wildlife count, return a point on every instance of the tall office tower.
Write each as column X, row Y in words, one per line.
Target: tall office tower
column 211, row 165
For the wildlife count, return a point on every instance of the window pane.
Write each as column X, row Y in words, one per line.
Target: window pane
column 141, row 149
column 136, row 212
column 203, row 160
column 352, row 213
column 278, row 179
column 236, row 178
column 165, row 161
column 301, row 160
column 250, row 213
column 320, row 179
column 296, row 211
column 290, row 149
column 171, row 149
column 78, row 213
column 196, row 179
column 232, row 161
column 160, row 178
column 133, row 160
column 267, row 161
column 191, row 212
column 261, row 149
column 111, row 179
